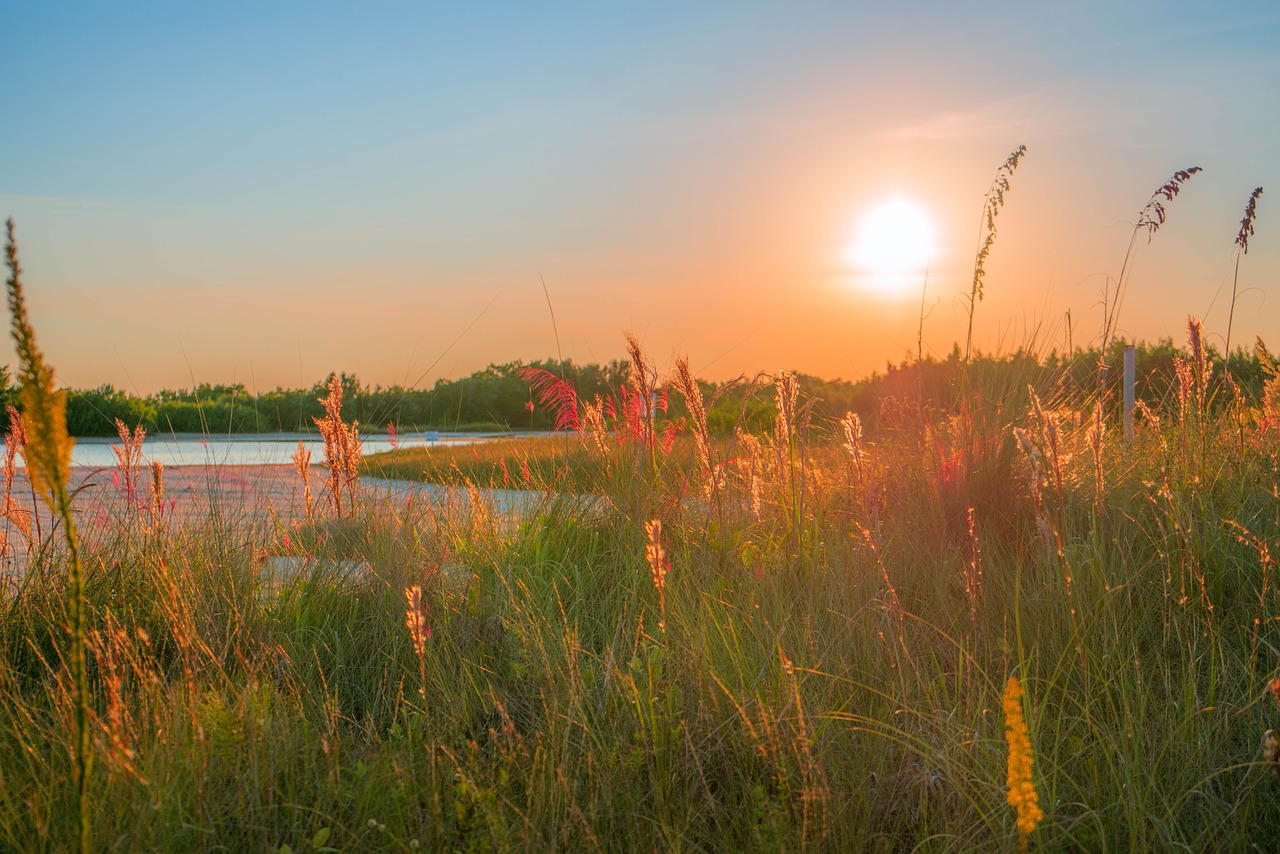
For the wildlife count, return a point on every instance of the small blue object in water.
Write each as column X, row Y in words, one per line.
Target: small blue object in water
column 432, row 437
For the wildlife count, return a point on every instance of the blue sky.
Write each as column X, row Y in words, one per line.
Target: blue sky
column 263, row 193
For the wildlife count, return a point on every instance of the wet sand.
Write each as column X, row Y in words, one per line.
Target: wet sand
column 237, row 495
column 252, row 493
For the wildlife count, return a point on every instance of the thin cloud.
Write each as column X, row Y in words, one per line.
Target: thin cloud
column 955, row 125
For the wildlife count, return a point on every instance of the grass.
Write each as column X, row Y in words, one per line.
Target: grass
column 799, row 683
column 499, row 463
column 561, row 463
column 805, row 637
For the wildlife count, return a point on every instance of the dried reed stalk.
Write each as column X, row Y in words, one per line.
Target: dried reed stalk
column 656, row 555
column 416, row 621
column 341, row 447
column 302, row 465
column 1242, row 248
column 48, row 456
column 1150, row 218
column 991, row 206
column 129, row 457
column 14, row 441
column 688, row 388
column 157, row 489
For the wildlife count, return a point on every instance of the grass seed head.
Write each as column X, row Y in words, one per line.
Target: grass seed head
column 1271, row 751
column 1246, row 224
column 44, row 408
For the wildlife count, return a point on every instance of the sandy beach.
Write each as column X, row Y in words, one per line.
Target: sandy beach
column 247, row 492
column 242, row 495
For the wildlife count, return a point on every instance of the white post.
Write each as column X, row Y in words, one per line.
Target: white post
column 1129, row 390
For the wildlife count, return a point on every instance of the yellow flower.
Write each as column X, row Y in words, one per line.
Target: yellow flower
column 1022, row 791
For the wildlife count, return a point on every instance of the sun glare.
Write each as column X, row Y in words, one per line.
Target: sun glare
column 893, row 241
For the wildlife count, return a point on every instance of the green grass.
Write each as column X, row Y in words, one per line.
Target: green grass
column 563, row 463
column 498, row 463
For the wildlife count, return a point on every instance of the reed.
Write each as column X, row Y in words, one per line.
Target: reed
column 302, row 465
column 991, row 206
column 1242, row 249
column 1150, row 218
column 341, row 448
column 48, row 456
column 15, row 514
column 656, row 556
column 129, row 457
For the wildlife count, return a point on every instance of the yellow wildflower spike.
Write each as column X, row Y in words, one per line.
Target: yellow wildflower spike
column 1022, row 791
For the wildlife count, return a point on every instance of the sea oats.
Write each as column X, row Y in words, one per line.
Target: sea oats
column 991, row 206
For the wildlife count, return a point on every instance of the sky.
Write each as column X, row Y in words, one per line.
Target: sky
column 263, row 193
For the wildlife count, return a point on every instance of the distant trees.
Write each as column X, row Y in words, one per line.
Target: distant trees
column 496, row 398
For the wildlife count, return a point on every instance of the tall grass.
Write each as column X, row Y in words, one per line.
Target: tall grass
column 991, row 206
column 1150, row 219
column 47, row 451
column 1242, row 248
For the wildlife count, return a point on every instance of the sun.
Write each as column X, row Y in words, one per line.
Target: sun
column 894, row 240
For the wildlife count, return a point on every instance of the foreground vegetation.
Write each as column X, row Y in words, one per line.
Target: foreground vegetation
column 993, row 619
column 809, row 649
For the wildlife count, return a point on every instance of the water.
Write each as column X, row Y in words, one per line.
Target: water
column 250, row 448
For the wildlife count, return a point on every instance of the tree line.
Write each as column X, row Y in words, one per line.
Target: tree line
column 496, row 398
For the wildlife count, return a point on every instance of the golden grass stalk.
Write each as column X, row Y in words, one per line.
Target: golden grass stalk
column 1271, row 386
column 991, row 206
column 593, row 424
column 341, row 447
column 786, row 390
column 157, row 489
column 1186, row 385
column 1022, row 790
column 48, row 456
column 688, row 388
column 643, row 380
column 973, row 572
column 1096, row 436
column 1242, row 248
column 302, row 465
column 113, row 652
column 656, row 555
column 1201, row 367
column 129, row 456
column 14, row 441
column 851, row 426
column 416, row 622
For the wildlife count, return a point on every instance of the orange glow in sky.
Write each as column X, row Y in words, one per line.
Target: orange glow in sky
column 264, row 193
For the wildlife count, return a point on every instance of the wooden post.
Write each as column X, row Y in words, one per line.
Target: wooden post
column 1129, row 382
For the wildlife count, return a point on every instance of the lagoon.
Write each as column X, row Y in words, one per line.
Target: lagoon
column 248, row 449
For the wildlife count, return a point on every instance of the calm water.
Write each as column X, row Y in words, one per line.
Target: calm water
column 249, row 448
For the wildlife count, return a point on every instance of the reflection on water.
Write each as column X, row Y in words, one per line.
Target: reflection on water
column 250, row 448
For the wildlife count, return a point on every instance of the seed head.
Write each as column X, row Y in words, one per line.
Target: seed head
column 1022, row 791
column 1246, row 224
